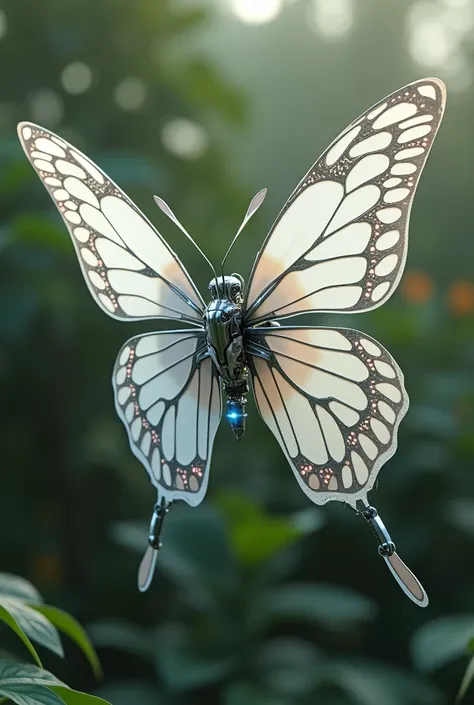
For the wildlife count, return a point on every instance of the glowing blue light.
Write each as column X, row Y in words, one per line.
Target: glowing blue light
column 233, row 415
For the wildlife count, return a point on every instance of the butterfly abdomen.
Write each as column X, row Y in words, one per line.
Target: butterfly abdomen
column 236, row 415
column 225, row 344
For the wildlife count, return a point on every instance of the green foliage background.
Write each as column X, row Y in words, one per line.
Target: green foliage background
column 260, row 599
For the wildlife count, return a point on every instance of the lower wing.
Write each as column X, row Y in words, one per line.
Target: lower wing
column 167, row 394
column 334, row 399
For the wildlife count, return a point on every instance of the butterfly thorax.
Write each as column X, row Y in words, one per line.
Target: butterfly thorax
column 225, row 344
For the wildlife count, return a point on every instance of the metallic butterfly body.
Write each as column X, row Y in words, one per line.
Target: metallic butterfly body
column 225, row 344
column 333, row 397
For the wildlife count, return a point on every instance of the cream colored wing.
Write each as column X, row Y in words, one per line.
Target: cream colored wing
column 130, row 270
column 334, row 399
column 340, row 242
column 168, row 397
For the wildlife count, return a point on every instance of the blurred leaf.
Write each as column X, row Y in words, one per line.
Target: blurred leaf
column 195, row 549
column 37, row 627
column 257, row 536
column 21, row 304
column 122, row 635
column 203, row 86
column 15, row 173
column 41, row 230
column 195, row 552
column 71, row 627
column 125, row 692
column 255, row 541
column 10, row 621
column 460, row 513
column 467, row 680
column 249, row 694
column 185, row 665
column 435, row 421
column 289, row 666
column 442, row 640
column 308, row 520
column 328, row 605
column 237, row 507
column 371, row 683
column 13, row 586
column 131, row 169
column 130, row 534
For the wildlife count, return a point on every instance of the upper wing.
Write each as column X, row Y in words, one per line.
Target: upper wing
column 130, row 270
column 334, row 400
column 340, row 242
column 169, row 400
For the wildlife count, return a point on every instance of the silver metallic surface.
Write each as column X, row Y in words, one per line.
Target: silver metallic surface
column 225, row 344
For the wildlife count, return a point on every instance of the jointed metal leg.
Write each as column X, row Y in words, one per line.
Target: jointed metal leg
column 409, row 583
column 148, row 562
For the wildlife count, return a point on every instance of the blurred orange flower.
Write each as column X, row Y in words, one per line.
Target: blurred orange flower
column 461, row 298
column 417, row 287
column 47, row 569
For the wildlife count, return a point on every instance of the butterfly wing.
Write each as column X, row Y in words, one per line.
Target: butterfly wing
column 168, row 397
column 340, row 242
column 334, row 399
column 130, row 270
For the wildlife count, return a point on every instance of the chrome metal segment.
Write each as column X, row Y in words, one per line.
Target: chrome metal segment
column 148, row 562
column 408, row 582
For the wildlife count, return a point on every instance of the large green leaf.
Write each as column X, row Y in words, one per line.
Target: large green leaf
column 442, row 640
column 35, row 625
column 327, row 605
column 28, row 685
column 13, row 586
column 10, row 621
column 75, row 697
column 71, row 627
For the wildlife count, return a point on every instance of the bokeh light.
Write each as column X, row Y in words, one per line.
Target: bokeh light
column 331, row 18
column 76, row 78
column 46, row 107
column 461, row 298
column 131, row 94
column 417, row 287
column 184, row 138
column 256, row 11
column 438, row 36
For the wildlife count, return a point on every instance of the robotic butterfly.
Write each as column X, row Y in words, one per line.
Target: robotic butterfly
column 332, row 397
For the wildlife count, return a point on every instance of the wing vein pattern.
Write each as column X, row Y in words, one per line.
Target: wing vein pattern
column 167, row 394
column 130, row 270
column 340, row 242
column 333, row 399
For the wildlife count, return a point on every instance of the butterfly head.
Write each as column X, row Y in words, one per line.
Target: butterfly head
column 227, row 287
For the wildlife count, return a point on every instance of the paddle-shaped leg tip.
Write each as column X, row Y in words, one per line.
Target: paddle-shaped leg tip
column 409, row 583
column 146, row 569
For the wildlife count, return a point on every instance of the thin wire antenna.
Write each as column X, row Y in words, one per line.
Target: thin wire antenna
column 255, row 204
column 167, row 211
